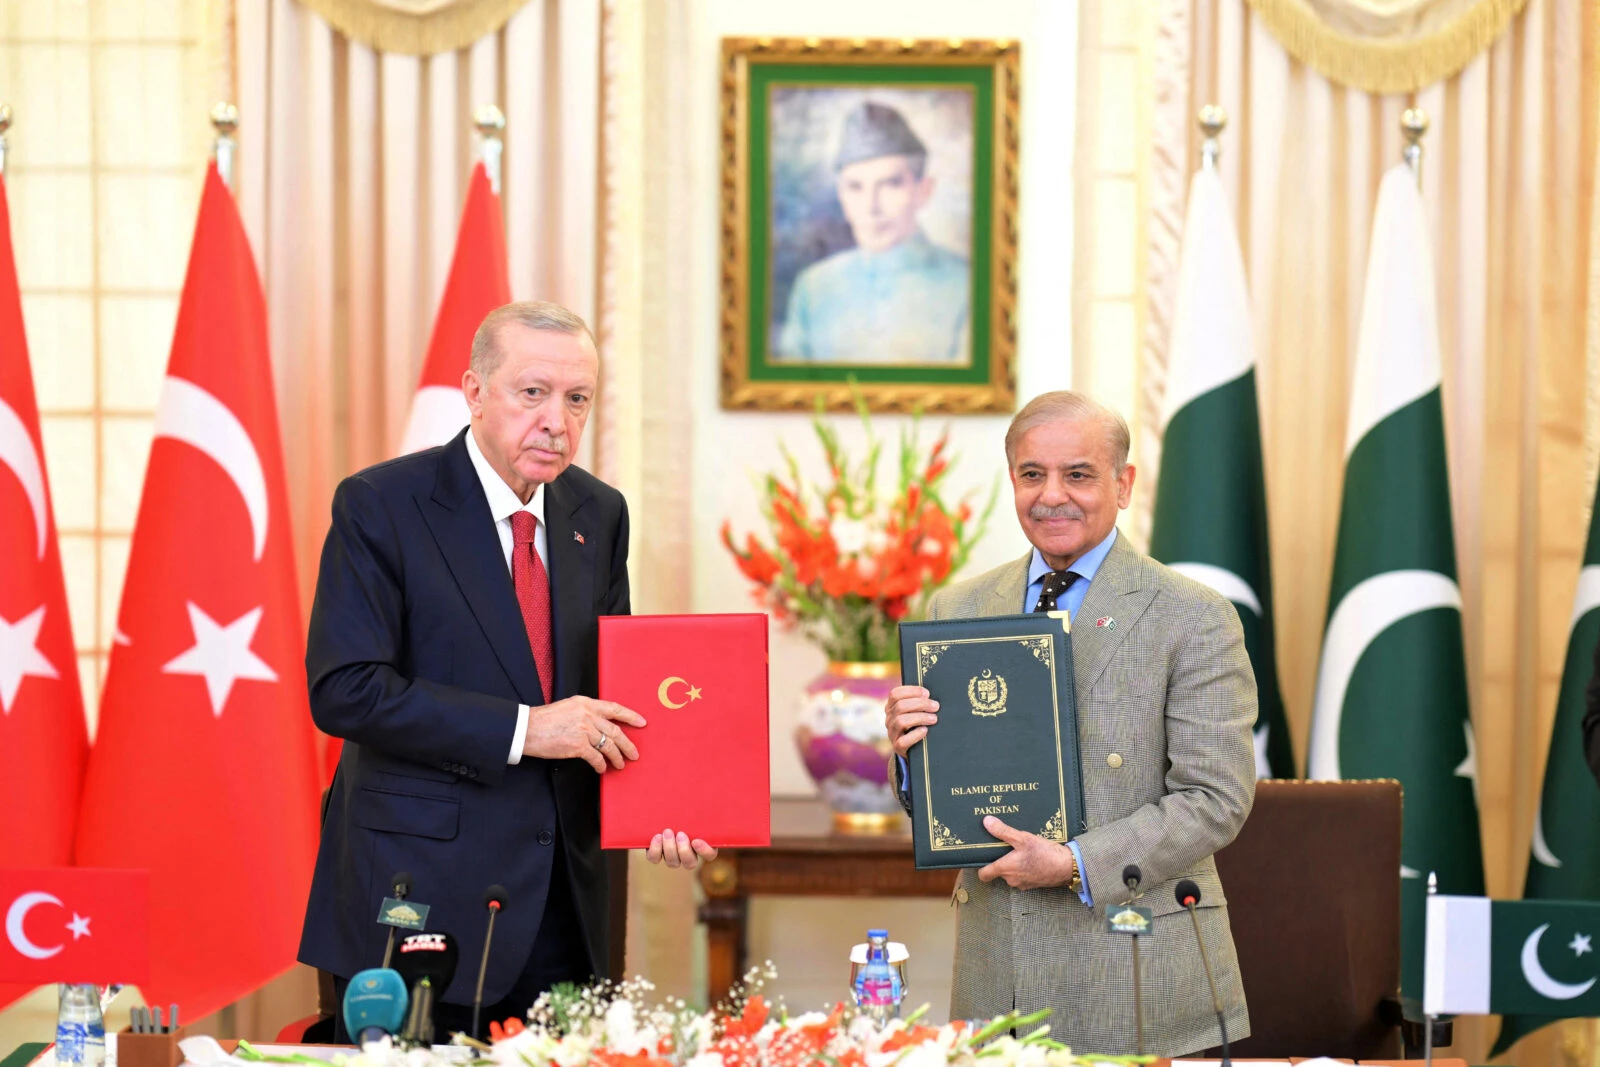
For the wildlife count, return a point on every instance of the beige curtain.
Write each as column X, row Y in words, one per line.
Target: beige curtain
column 1509, row 180
column 353, row 165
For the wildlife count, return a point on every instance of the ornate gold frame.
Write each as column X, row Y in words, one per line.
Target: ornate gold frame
column 739, row 392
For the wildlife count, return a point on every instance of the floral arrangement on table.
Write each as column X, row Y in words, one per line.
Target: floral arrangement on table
column 848, row 561
column 616, row 1025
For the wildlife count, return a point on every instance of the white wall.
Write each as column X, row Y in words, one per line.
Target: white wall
column 808, row 939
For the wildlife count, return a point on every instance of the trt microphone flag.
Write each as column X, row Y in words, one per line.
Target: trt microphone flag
column 1564, row 857
column 477, row 285
column 1391, row 696
column 43, row 738
column 1523, row 958
column 203, row 770
column 1211, row 498
column 71, row 924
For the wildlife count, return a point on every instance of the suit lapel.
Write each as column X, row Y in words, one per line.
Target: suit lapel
column 457, row 513
column 572, row 591
column 1117, row 594
column 1005, row 595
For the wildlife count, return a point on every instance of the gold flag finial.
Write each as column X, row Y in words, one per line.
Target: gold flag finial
column 1413, row 124
column 1213, row 120
column 491, row 124
column 225, row 120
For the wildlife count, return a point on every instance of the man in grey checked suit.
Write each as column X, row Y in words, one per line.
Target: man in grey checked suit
column 1166, row 699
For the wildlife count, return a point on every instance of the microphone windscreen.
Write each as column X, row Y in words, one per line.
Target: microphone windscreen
column 430, row 956
column 401, row 883
column 375, row 999
column 1186, row 892
column 1132, row 875
column 496, row 894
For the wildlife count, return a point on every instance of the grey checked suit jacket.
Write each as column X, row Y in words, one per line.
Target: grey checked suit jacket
column 1166, row 701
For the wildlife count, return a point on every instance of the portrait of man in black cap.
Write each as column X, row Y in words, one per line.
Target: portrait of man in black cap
column 890, row 293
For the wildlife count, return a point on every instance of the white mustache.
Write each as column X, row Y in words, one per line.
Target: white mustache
column 558, row 445
column 1040, row 512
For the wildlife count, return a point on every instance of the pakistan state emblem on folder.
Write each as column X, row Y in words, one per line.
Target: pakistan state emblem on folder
column 987, row 691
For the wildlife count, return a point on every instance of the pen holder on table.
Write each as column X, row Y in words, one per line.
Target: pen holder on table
column 150, row 1050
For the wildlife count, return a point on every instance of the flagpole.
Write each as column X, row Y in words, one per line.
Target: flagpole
column 225, row 120
column 1433, row 878
column 491, row 123
column 1213, row 119
column 1413, row 124
column 5, row 124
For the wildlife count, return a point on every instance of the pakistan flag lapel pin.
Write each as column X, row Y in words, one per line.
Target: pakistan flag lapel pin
column 1106, row 622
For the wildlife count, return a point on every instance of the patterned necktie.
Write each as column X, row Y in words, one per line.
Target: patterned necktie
column 533, row 597
column 1056, row 583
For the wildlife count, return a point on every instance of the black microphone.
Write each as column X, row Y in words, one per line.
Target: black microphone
column 427, row 963
column 401, row 887
column 1188, row 895
column 494, row 899
column 1131, row 877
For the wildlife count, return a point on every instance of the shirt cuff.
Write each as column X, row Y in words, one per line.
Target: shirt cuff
column 520, row 737
column 1083, row 892
column 905, row 776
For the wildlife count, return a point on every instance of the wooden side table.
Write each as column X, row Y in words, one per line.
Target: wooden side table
column 808, row 858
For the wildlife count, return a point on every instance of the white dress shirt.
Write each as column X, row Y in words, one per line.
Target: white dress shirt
column 504, row 503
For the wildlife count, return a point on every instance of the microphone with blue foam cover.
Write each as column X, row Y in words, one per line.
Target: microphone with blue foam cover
column 375, row 1005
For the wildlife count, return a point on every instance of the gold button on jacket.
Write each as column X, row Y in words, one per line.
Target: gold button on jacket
column 1114, row 761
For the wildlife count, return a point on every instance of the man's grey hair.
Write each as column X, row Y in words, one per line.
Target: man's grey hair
column 1064, row 405
column 542, row 315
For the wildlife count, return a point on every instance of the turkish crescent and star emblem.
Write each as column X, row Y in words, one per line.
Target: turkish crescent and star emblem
column 74, row 925
column 664, row 693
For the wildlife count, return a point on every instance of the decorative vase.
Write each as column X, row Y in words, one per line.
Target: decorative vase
column 845, row 745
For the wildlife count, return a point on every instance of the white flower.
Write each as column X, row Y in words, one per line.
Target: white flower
column 705, row 1059
column 810, row 1018
column 851, row 535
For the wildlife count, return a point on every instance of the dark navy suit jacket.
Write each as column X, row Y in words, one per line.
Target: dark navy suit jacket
column 418, row 658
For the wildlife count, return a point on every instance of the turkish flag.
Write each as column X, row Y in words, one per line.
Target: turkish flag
column 69, row 924
column 477, row 284
column 43, row 738
column 204, row 769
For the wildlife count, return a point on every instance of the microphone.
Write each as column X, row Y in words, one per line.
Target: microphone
column 427, row 963
column 494, row 899
column 401, row 888
column 374, row 1005
column 1131, row 877
column 1188, row 895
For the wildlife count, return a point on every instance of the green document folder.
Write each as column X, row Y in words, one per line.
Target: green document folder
column 1006, row 743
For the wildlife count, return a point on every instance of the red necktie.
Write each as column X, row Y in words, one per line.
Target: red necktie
column 533, row 597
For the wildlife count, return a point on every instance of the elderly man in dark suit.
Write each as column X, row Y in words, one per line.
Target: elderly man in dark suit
column 453, row 648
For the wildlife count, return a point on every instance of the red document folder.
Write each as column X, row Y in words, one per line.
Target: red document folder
column 700, row 681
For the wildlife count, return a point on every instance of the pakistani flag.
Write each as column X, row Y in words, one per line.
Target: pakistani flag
column 1565, row 860
column 1211, row 499
column 1516, row 957
column 1391, row 698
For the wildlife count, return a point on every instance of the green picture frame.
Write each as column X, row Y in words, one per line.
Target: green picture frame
column 869, row 207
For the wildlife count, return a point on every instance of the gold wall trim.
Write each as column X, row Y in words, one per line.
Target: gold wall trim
column 1385, row 65
column 415, row 27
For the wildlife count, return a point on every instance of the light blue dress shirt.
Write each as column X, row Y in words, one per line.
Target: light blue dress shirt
column 1086, row 568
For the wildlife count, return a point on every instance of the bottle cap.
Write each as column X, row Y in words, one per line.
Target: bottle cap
column 878, row 933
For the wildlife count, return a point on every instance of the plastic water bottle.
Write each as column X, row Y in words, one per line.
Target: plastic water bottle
column 878, row 992
column 80, row 1027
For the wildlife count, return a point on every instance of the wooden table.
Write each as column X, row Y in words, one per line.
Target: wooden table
column 808, row 858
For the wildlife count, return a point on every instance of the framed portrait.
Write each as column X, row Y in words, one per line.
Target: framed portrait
column 869, row 238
